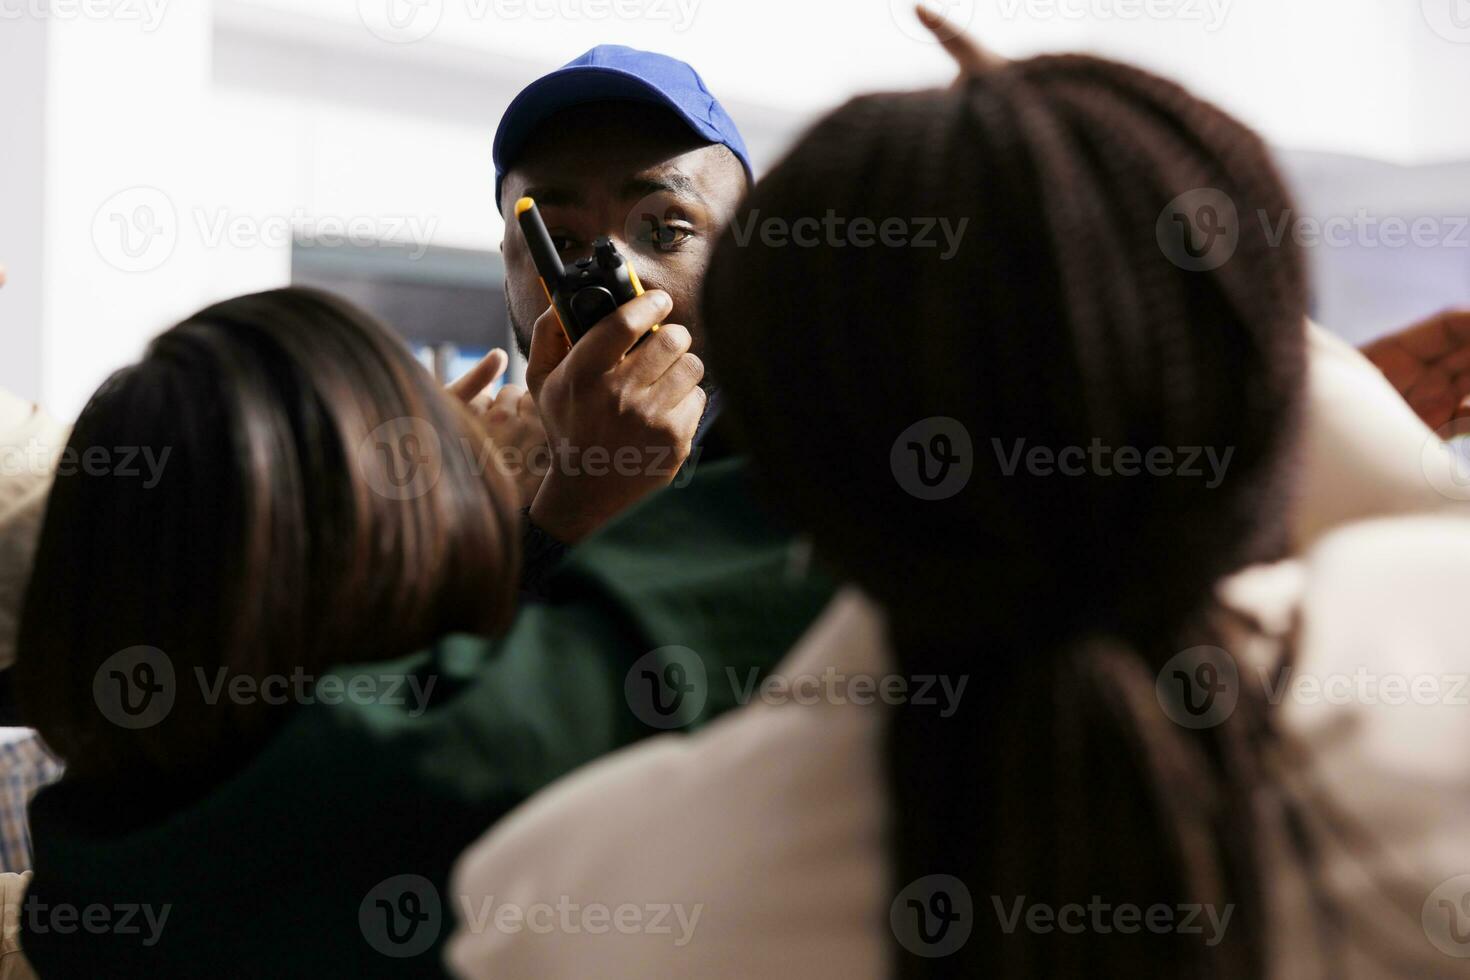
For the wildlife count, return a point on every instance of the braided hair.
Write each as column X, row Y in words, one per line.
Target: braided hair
column 1112, row 288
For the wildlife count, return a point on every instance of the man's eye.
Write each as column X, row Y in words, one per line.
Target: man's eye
column 666, row 236
column 562, row 242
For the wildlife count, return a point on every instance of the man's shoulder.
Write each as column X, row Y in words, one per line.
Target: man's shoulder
column 698, row 562
column 711, row 509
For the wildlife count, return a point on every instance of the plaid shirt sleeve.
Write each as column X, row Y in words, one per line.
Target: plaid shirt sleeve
column 25, row 767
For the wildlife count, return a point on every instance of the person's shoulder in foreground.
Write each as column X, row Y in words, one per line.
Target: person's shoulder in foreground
column 330, row 853
column 752, row 849
column 756, row 847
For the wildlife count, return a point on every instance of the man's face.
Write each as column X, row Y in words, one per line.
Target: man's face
column 632, row 173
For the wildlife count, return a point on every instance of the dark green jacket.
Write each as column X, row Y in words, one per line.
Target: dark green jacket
column 329, row 855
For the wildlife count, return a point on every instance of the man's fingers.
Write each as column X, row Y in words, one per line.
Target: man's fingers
column 1429, row 363
column 653, row 357
column 1443, row 339
column 605, row 344
column 683, row 376
column 685, row 415
column 967, row 53
column 506, row 404
column 1433, row 399
column 1458, row 399
column 549, row 347
column 481, row 376
column 526, row 408
column 1400, row 367
column 1443, row 336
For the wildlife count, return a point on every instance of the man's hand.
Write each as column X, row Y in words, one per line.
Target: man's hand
column 620, row 419
column 1429, row 364
column 511, row 420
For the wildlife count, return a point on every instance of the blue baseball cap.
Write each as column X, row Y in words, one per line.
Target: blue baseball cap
column 615, row 73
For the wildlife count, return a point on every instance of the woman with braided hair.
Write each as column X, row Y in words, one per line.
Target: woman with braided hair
column 1038, row 736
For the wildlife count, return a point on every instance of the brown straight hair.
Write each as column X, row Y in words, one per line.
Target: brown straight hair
column 311, row 498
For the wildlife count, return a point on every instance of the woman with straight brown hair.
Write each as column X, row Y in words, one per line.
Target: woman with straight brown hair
column 276, row 491
column 276, row 488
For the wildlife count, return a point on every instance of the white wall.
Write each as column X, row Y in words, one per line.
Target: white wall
column 1369, row 77
column 1387, row 244
column 249, row 117
column 22, row 179
column 105, row 109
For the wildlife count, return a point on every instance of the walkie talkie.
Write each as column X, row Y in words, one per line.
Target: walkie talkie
column 585, row 291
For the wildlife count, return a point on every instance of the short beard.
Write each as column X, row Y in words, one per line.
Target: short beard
column 521, row 337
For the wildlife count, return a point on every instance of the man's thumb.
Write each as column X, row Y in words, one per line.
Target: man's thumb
column 549, row 347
